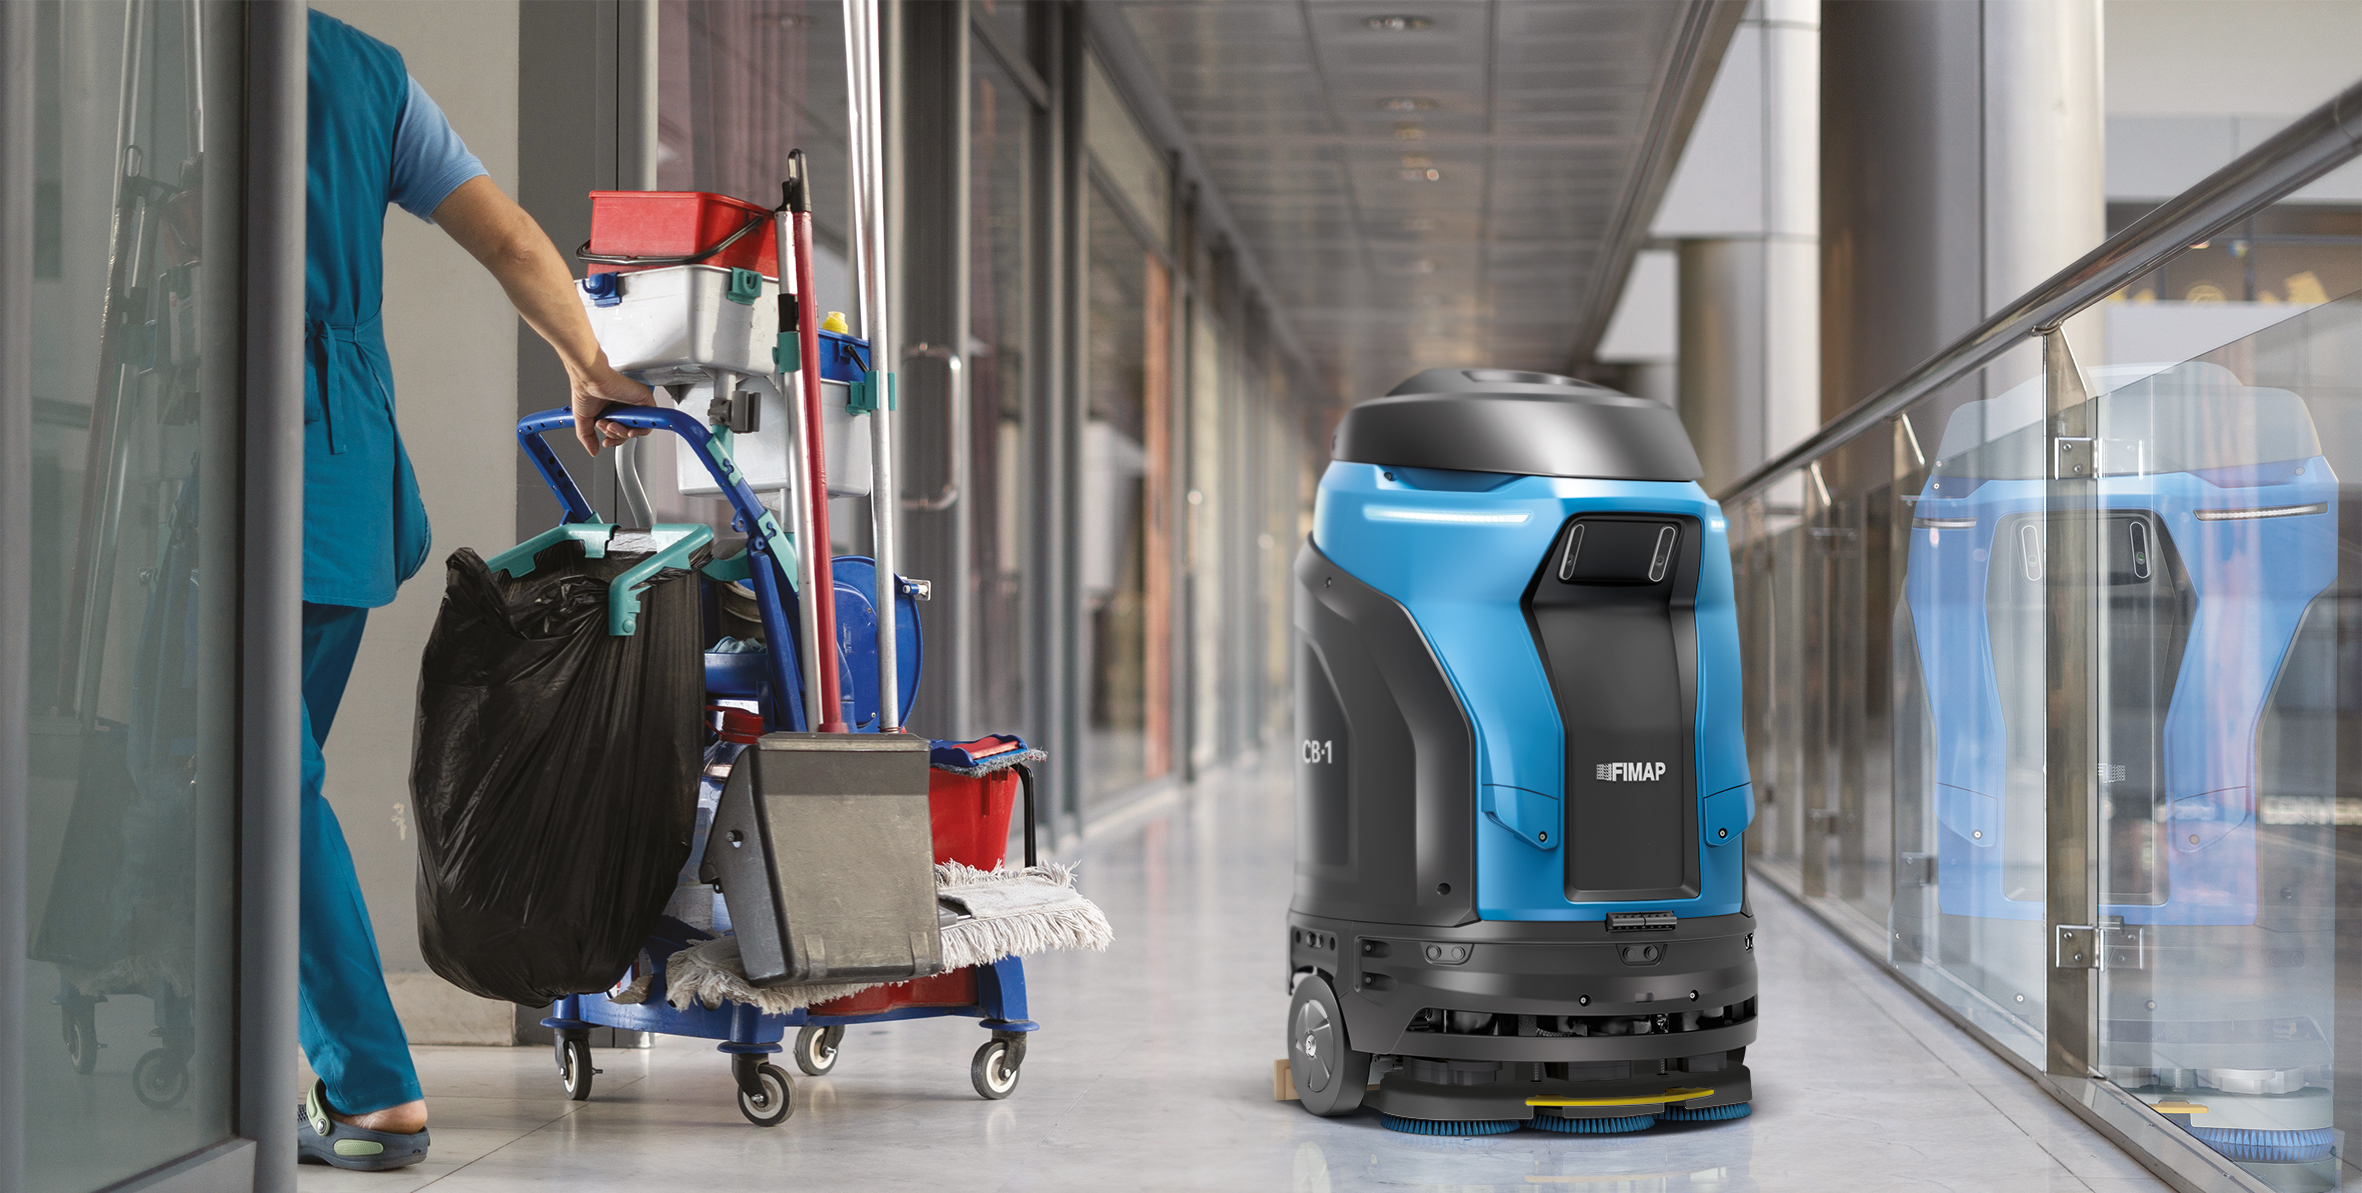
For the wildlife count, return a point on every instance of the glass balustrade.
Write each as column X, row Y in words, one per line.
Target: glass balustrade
column 2156, row 580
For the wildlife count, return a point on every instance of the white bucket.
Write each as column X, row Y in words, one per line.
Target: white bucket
column 669, row 326
column 762, row 455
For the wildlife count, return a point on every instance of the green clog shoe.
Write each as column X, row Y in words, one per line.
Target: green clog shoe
column 320, row 1139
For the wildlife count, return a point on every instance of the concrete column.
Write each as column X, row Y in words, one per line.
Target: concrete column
column 1962, row 162
column 1748, row 375
column 1722, row 378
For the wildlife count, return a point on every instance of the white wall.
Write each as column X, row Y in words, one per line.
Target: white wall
column 2195, row 83
column 453, row 338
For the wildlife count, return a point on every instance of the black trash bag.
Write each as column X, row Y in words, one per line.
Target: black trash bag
column 555, row 772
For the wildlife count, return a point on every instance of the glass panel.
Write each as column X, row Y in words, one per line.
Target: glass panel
column 1000, row 222
column 135, row 502
column 1203, row 515
column 1967, row 724
column 1133, row 163
column 739, row 83
column 2230, row 677
column 1123, row 500
column 1011, row 22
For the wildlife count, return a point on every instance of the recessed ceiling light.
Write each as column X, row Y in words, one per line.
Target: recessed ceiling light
column 1397, row 24
column 1409, row 132
column 1430, row 174
column 1406, row 103
column 1415, row 161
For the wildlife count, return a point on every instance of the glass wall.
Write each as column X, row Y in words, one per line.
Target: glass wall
column 2114, row 620
column 135, row 488
column 1001, row 373
column 1121, row 507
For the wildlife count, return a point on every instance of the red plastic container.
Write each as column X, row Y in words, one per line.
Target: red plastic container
column 970, row 815
column 675, row 224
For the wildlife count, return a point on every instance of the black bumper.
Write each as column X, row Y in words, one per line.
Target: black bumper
column 1642, row 996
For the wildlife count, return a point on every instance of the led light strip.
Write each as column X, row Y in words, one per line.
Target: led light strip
column 2272, row 511
column 1385, row 513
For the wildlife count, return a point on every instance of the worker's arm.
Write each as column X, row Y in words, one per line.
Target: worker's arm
column 507, row 241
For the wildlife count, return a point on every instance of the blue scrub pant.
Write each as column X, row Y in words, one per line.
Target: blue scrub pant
column 347, row 1026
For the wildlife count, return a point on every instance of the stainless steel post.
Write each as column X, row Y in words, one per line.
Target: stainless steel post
column 2071, row 645
column 871, row 274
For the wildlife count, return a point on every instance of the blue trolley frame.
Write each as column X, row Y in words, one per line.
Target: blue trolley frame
column 743, row 1032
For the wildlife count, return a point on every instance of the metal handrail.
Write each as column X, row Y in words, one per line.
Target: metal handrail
column 2316, row 143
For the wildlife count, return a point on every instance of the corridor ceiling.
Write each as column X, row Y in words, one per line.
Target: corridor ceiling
column 1434, row 182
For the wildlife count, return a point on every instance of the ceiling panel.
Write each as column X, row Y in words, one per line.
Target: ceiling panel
column 1436, row 195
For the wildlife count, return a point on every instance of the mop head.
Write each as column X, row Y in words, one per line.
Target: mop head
column 1003, row 913
column 1421, row 1126
column 1594, row 1126
column 1707, row 1114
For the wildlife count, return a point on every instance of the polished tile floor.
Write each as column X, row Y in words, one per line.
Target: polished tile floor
column 1154, row 1072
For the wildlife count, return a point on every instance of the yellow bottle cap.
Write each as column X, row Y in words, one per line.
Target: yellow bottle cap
column 836, row 323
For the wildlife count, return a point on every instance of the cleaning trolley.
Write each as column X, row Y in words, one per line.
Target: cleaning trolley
column 1521, row 785
column 805, row 864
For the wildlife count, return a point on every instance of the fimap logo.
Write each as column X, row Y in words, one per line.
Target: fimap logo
column 1628, row 772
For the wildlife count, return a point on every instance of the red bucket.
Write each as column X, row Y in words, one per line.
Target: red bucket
column 970, row 816
column 660, row 228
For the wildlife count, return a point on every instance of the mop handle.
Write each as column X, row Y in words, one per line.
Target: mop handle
column 796, row 202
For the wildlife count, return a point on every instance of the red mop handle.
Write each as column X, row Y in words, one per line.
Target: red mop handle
column 814, row 490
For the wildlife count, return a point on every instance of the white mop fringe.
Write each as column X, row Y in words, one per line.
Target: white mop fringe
column 1009, row 913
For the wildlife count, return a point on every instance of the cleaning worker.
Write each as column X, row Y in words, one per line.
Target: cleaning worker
column 376, row 139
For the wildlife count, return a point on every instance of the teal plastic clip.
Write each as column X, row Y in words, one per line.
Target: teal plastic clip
column 788, row 354
column 863, row 396
column 745, row 287
column 675, row 543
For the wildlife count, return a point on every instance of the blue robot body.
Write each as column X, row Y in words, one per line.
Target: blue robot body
column 1522, row 783
column 1458, row 557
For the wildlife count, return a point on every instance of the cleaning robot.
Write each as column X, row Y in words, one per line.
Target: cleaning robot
column 1520, row 895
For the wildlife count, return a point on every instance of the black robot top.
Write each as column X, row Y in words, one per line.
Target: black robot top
column 1529, row 424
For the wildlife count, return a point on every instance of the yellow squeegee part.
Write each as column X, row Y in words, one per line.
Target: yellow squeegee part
column 1671, row 1095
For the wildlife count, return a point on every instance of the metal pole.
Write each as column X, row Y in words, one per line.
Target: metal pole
column 16, row 589
column 270, row 805
column 2071, row 592
column 815, row 563
column 871, row 273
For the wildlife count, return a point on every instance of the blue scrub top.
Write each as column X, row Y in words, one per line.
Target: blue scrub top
column 374, row 138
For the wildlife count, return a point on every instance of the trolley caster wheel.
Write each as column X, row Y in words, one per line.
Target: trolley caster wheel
column 574, row 1069
column 161, row 1079
column 772, row 1100
column 994, row 1071
column 80, row 1023
column 816, row 1049
column 1330, row 1077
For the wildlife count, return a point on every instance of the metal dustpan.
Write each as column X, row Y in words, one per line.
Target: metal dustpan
column 821, row 846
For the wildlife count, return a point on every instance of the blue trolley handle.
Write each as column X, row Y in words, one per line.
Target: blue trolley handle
column 713, row 451
column 773, row 585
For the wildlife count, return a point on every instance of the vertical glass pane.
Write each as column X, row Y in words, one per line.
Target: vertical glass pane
column 1968, row 723
column 1011, row 22
column 135, row 487
column 1122, row 498
column 1000, row 217
column 2229, row 680
column 1202, row 514
column 740, row 83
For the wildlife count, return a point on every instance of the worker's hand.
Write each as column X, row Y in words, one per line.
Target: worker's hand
column 598, row 388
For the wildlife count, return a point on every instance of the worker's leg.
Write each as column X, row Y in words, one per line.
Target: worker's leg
column 347, row 1023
